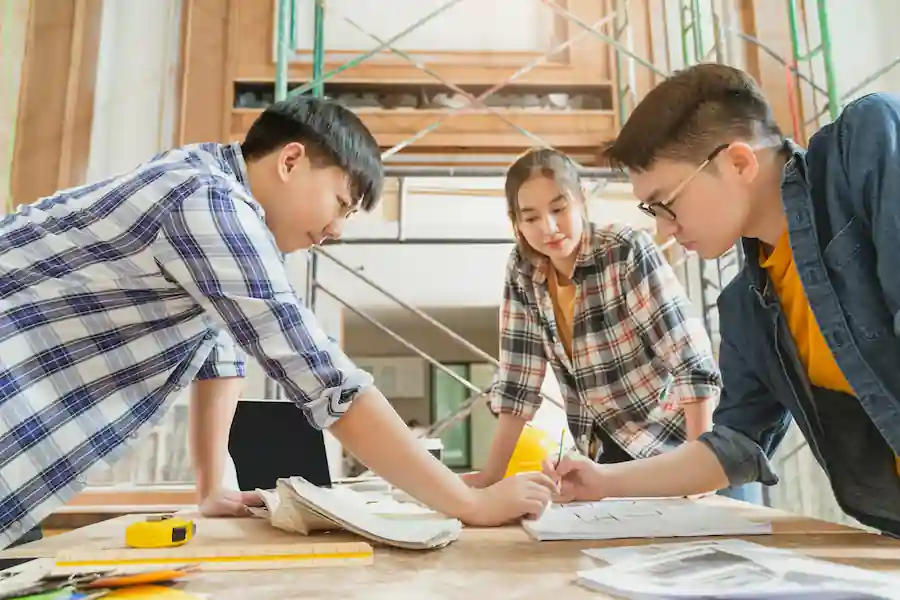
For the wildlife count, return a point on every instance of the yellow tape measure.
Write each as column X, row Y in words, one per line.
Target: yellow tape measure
column 160, row 531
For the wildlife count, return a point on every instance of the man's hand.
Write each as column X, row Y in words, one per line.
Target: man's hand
column 229, row 503
column 577, row 479
column 523, row 495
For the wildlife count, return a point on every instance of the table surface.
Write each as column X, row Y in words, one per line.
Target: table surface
column 504, row 561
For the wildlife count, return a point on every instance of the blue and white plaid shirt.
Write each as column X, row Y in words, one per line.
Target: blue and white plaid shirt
column 115, row 296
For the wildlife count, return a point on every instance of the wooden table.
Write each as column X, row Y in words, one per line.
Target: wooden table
column 503, row 562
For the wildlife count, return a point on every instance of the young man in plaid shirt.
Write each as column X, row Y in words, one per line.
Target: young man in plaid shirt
column 115, row 295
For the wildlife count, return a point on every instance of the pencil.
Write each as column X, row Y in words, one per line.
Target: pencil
column 562, row 437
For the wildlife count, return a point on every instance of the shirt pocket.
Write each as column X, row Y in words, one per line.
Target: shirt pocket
column 851, row 261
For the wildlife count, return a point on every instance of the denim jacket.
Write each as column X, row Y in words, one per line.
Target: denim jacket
column 842, row 201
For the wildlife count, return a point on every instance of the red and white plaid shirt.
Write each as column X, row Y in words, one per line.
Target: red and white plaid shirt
column 637, row 353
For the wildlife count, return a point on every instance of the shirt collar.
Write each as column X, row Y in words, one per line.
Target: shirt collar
column 794, row 174
column 234, row 158
column 536, row 267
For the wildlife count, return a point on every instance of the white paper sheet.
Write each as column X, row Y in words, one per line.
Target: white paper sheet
column 299, row 506
column 732, row 569
column 639, row 518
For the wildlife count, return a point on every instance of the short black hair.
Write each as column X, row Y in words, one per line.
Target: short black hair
column 691, row 113
column 333, row 136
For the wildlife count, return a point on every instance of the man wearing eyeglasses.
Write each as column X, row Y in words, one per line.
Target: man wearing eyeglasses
column 810, row 325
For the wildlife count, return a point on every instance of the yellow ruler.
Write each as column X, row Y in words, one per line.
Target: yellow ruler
column 225, row 557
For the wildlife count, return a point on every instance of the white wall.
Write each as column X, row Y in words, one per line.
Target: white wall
column 442, row 275
column 135, row 99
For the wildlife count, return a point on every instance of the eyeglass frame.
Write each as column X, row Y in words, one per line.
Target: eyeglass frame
column 664, row 206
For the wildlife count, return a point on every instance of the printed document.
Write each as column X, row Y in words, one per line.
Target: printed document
column 731, row 569
column 640, row 518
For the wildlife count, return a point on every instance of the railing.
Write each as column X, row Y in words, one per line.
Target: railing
column 697, row 20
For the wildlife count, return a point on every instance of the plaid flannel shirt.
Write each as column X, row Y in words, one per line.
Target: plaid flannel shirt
column 115, row 296
column 634, row 342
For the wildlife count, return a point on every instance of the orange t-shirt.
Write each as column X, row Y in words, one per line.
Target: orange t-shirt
column 563, row 297
column 821, row 368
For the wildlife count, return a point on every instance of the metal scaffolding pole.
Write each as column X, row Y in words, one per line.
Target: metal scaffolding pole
column 495, row 88
column 421, row 314
column 394, row 170
column 322, row 78
column 473, row 100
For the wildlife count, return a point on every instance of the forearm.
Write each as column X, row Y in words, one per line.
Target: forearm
column 211, row 411
column 698, row 418
column 372, row 431
column 691, row 469
column 509, row 429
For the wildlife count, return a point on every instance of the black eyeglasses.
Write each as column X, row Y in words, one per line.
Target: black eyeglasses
column 663, row 209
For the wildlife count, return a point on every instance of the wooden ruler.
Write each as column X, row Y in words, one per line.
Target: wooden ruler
column 229, row 557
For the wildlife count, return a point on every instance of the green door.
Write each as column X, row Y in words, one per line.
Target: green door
column 447, row 395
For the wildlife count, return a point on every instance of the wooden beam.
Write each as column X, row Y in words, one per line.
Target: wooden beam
column 56, row 100
column 204, row 65
column 13, row 31
column 768, row 22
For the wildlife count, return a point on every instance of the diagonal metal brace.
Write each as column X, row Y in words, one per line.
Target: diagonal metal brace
column 367, row 55
column 494, row 89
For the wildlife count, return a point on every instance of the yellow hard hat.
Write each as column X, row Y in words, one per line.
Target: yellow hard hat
column 534, row 446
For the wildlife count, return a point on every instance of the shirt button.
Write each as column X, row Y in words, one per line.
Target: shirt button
column 16, row 525
column 79, row 478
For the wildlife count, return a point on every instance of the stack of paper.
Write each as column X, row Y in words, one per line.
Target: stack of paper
column 731, row 569
column 299, row 506
column 639, row 518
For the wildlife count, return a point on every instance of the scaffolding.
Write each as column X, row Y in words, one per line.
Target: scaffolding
column 705, row 33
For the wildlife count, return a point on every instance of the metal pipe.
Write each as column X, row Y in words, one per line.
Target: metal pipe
column 281, row 51
column 318, row 66
column 685, row 29
column 362, row 57
column 395, row 170
column 361, row 241
column 495, row 88
column 468, row 95
column 593, row 30
column 834, row 101
column 419, row 313
column 401, row 207
column 775, row 56
column 696, row 18
column 397, row 337
column 859, row 86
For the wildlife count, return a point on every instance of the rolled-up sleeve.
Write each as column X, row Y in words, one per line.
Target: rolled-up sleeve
column 748, row 423
column 225, row 360
column 215, row 245
column 517, row 388
column 660, row 312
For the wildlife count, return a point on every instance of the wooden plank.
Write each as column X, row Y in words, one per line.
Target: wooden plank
column 769, row 23
column 13, row 33
column 576, row 128
column 253, row 53
column 204, row 64
column 53, row 136
column 248, row 537
column 506, row 563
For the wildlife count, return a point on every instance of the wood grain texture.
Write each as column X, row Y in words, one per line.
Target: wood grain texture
column 503, row 562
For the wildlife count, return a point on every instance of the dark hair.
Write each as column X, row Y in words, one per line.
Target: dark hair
column 540, row 162
column 690, row 114
column 333, row 136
